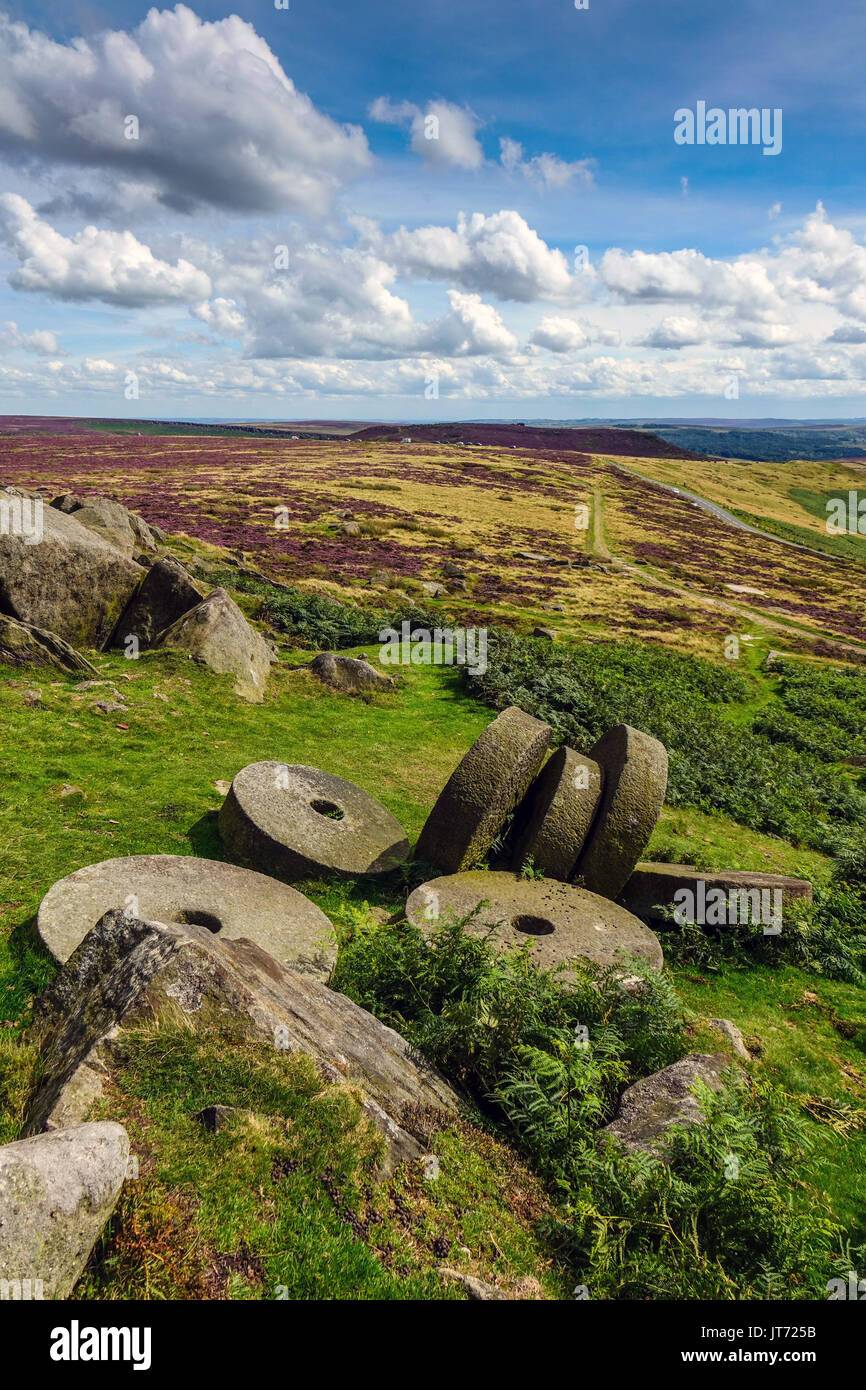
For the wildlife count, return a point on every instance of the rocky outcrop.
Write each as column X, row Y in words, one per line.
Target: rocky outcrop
column 72, row 582
column 217, row 633
column 113, row 521
column 128, row 969
column 57, row 1191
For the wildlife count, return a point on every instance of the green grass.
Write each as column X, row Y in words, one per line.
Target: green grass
column 842, row 547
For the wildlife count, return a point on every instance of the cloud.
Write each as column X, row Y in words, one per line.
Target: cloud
column 689, row 277
column 676, row 331
column 95, row 264
column 218, row 121
column 499, row 255
column 558, row 334
column 442, row 133
column 546, row 170
column 40, row 341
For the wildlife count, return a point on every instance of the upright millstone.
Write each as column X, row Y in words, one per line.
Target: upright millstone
column 635, row 771
column 481, row 791
column 553, row 819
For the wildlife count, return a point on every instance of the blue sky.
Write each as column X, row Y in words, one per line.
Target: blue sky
column 138, row 275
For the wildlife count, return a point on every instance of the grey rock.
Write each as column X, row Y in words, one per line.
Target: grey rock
column 72, row 583
column 227, row 900
column 734, row 1036
column 57, row 1191
column 348, row 674
column 217, row 633
column 549, row 633
column 475, row 1289
column 165, row 594
column 297, row 821
column 652, row 888
column 651, row 1108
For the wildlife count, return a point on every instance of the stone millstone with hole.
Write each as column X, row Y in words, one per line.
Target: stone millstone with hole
column 230, row 901
column 553, row 819
column 300, row 822
column 482, row 790
column 635, row 777
column 558, row 920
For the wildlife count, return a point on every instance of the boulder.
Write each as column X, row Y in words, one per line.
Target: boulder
column 348, row 674
column 553, row 819
column 559, row 921
column 652, row 888
column 128, row 969
column 299, row 822
column 730, row 1031
column 227, row 900
column 217, row 633
column 453, row 570
column 57, row 1191
column 165, row 594
column 109, row 519
column 649, row 1109
column 635, row 776
column 482, row 790
column 549, row 633
column 72, row 583
column 21, row 644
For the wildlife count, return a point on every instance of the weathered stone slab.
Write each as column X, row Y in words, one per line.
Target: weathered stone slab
column 484, row 787
column 553, row 819
column 652, row 888
column 227, row 900
column 649, row 1109
column 299, row 822
column 560, row 920
column 128, row 969
column 57, row 1191
column 217, row 633
column 635, row 776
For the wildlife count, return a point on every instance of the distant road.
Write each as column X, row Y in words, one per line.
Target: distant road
column 722, row 514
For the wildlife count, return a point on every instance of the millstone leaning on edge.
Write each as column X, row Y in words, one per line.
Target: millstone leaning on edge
column 553, row 819
column 635, row 777
column 484, row 787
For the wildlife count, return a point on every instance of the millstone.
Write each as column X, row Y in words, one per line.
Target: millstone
column 481, row 791
column 553, row 819
column 635, row 776
column 560, row 920
column 299, row 822
column 652, row 888
column 229, row 901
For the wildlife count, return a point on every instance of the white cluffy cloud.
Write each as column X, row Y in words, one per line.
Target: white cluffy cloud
column 499, row 255
column 40, row 341
column 95, row 264
column 217, row 121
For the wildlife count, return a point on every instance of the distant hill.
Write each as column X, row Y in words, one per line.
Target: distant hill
column 776, row 444
column 627, row 442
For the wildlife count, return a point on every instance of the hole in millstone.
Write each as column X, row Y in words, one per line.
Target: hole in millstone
column 199, row 919
column 327, row 808
column 533, row 926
